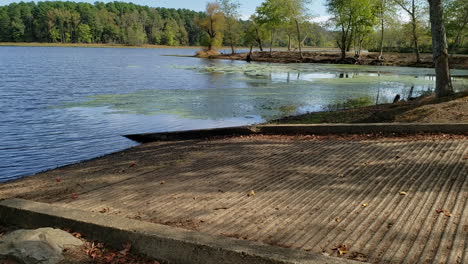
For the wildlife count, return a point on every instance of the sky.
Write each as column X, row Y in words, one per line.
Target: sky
column 317, row 7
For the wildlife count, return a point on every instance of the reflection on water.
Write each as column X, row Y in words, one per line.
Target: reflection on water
column 63, row 105
column 270, row 91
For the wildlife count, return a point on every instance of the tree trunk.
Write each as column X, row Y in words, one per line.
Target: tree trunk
column 382, row 24
column 343, row 44
column 299, row 39
column 272, row 35
column 258, row 39
column 231, row 40
column 440, row 49
column 289, row 42
column 415, row 38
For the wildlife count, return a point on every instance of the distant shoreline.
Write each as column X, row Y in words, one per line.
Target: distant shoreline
column 329, row 57
column 145, row 46
column 94, row 45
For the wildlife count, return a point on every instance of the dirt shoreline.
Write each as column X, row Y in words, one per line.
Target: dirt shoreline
column 390, row 59
column 428, row 109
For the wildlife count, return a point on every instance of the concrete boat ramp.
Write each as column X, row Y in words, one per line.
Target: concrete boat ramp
column 369, row 199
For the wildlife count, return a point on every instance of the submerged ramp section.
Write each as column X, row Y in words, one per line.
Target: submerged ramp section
column 305, row 129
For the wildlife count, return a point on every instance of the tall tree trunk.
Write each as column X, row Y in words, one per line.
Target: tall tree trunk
column 299, row 39
column 231, row 39
column 382, row 28
column 440, row 50
column 258, row 39
column 272, row 35
column 415, row 38
column 343, row 43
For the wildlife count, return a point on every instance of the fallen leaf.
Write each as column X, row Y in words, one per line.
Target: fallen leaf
column 365, row 205
column 74, row 196
column 251, row 193
column 445, row 212
column 162, row 182
column 58, row 180
column 126, row 249
column 109, row 257
column 465, row 157
column 104, row 210
column 133, row 164
column 359, row 256
column 342, row 249
column 338, row 219
column 77, row 235
column 403, row 193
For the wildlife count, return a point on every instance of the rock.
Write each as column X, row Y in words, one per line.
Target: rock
column 40, row 246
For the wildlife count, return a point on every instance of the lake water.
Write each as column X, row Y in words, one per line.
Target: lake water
column 64, row 105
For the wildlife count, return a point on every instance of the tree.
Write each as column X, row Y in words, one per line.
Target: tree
column 296, row 12
column 83, row 34
column 354, row 19
column 385, row 9
column 255, row 31
column 440, row 49
column 272, row 15
column 213, row 24
column 230, row 8
column 412, row 7
column 4, row 26
column 456, row 22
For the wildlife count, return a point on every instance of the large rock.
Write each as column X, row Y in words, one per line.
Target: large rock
column 40, row 246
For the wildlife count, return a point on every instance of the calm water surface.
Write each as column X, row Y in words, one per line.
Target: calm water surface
column 63, row 105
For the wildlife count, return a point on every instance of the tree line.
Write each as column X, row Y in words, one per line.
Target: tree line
column 376, row 25
column 131, row 24
column 115, row 22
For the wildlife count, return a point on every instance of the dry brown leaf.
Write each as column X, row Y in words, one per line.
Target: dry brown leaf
column 77, row 235
column 365, row 205
column 58, row 179
column 443, row 211
column 104, row 210
column 338, row 219
column 341, row 249
column 74, row 196
column 251, row 193
column 109, row 257
column 126, row 249
column 133, row 164
column 162, row 182
column 403, row 193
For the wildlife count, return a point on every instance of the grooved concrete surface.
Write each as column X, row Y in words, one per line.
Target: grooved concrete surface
column 387, row 200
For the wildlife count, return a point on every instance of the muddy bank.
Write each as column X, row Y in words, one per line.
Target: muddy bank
column 453, row 109
column 390, row 59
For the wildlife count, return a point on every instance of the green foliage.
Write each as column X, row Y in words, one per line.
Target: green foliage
column 355, row 20
column 213, row 24
column 84, row 34
column 4, row 26
column 456, row 22
column 114, row 22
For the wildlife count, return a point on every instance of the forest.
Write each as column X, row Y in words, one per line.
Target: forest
column 376, row 25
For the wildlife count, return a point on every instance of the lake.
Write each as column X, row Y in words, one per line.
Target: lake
column 64, row 105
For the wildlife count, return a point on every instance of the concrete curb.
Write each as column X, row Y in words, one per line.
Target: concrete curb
column 164, row 243
column 305, row 129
